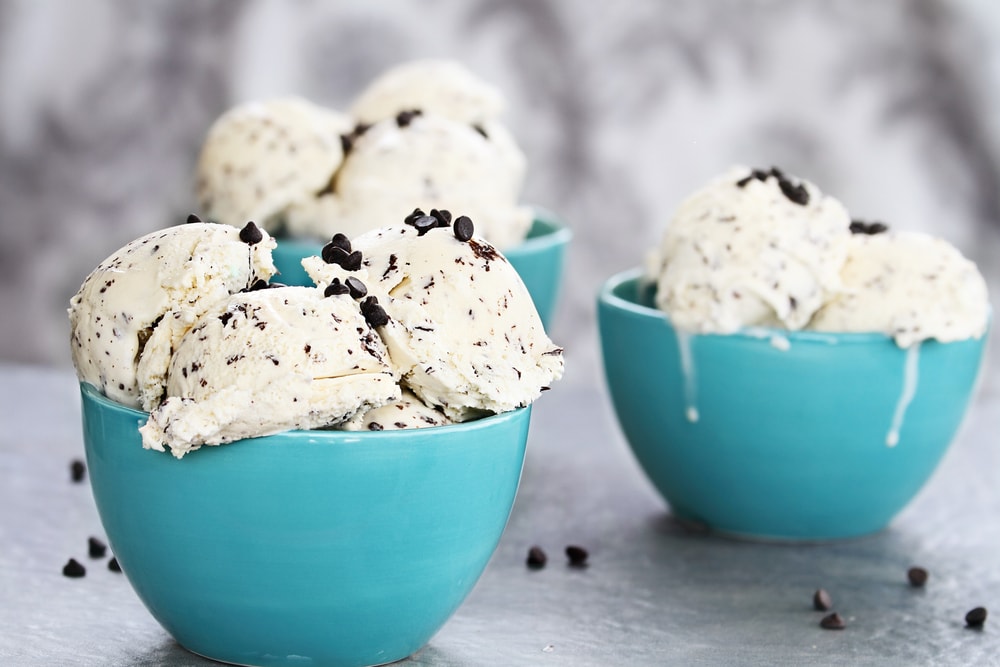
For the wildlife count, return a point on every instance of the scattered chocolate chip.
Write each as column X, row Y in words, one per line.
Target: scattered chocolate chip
column 796, row 193
column 74, row 569
column 346, row 143
column 336, row 288
column 870, row 228
column 976, row 617
column 577, row 555
column 353, row 261
column 334, row 254
column 96, row 548
column 479, row 128
column 77, row 470
column 341, row 241
column 443, row 217
column 758, row 174
column 193, row 218
column 411, row 218
column 424, row 224
column 536, row 557
column 917, row 576
column 404, row 118
column 464, row 229
column 821, row 600
column 356, row 287
column 113, row 565
column 251, row 234
column 374, row 314
column 833, row 621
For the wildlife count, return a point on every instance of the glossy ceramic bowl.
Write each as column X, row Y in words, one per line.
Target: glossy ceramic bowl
column 538, row 260
column 780, row 435
column 308, row 547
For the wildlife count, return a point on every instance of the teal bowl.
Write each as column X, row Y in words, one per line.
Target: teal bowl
column 307, row 547
column 538, row 260
column 772, row 434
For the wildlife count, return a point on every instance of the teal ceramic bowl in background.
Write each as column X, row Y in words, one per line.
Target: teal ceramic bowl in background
column 780, row 435
column 538, row 260
column 307, row 547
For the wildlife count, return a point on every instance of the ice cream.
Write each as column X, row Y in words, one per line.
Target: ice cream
column 752, row 248
column 407, row 412
column 907, row 285
column 460, row 326
column 267, row 361
column 261, row 157
column 133, row 308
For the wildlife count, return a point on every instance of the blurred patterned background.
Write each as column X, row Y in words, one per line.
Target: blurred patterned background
column 622, row 108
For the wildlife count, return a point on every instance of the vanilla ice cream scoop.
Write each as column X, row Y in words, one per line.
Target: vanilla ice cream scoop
column 910, row 286
column 459, row 324
column 259, row 158
column 425, row 160
column 267, row 361
column 751, row 248
column 440, row 87
column 407, row 412
column 133, row 308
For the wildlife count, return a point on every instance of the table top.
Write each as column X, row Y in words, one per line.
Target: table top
column 652, row 594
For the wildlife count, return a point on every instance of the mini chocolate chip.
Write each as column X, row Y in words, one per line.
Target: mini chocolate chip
column 424, row 224
column 443, row 217
column 536, row 557
column 411, row 218
column 353, row 261
column 976, row 617
column 77, row 470
column 113, row 565
column 917, row 576
column 821, row 600
column 193, row 218
column 334, row 254
column 463, row 227
column 341, row 241
column 577, row 555
column 346, row 143
column 251, row 234
column 375, row 426
column 871, row 228
column 96, row 548
column 374, row 314
column 481, row 130
column 356, row 287
column 797, row 194
column 777, row 173
column 74, row 569
column 758, row 174
column 404, row 118
column 833, row 621
column 336, row 288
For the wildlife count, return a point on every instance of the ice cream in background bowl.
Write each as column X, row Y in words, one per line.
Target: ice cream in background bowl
column 425, row 133
column 781, row 371
column 307, row 473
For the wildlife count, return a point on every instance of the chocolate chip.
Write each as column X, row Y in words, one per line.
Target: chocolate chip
column 257, row 285
column 577, row 555
column 833, row 621
column 821, row 600
column 193, row 218
column 77, row 470
column 336, row 288
column 346, row 143
column 424, row 224
column 356, row 287
column 96, row 548
column 341, row 241
column 360, row 129
column 374, row 314
column 796, row 193
column 443, row 217
column 375, row 426
column 758, row 174
column 917, row 576
column 334, row 254
column 74, row 569
column 463, row 227
column 113, row 565
column 976, row 617
column 404, row 118
column 353, row 261
column 536, row 558
column 479, row 128
column 251, row 234
column 411, row 218
column 870, row 228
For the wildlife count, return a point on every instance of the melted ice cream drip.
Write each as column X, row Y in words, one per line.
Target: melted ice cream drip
column 910, row 376
column 687, row 370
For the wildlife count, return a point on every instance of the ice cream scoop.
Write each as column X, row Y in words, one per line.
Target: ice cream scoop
column 131, row 311
column 268, row 361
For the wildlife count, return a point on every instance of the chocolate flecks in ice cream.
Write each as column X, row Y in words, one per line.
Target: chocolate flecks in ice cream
column 404, row 118
column 862, row 227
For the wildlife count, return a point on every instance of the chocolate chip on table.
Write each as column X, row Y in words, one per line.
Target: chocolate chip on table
column 404, row 118
column 336, row 288
column 536, row 557
column 443, row 217
column 463, row 228
column 976, row 617
column 74, row 569
column 96, row 548
column 833, row 621
column 251, row 234
column 356, row 287
column 374, row 314
column 917, row 576
column 577, row 555
column 821, row 600
column 870, row 228
column 113, row 565
column 193, row 218
column 424, row 224
column 77, row 470
column 341, row 241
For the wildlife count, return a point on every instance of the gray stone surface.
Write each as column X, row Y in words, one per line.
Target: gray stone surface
column 653, row 594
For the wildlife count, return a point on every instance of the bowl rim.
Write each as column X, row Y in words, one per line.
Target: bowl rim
column 93, row 394
column 607, row 297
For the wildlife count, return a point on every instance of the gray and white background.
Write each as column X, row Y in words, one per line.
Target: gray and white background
column 621, row 107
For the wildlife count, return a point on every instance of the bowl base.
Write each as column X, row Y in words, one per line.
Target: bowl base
column 292, row 660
